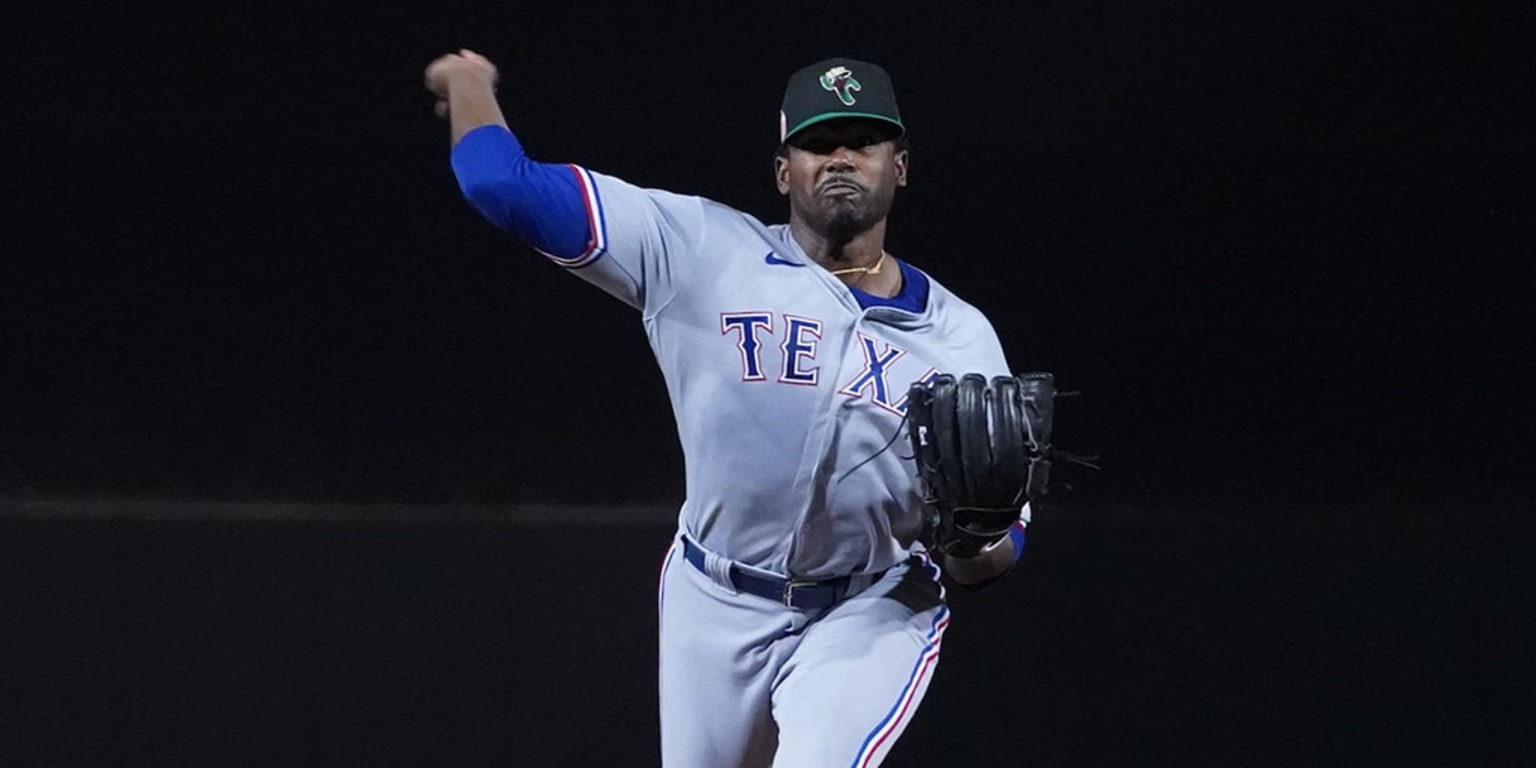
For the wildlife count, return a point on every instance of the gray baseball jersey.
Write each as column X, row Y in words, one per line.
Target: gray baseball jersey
column 787, row 393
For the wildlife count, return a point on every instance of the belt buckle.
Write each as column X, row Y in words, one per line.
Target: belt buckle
column 790, row 585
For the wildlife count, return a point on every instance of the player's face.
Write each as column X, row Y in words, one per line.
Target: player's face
column 841, row 175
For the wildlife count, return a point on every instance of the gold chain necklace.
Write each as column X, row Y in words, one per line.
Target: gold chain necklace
column 873, row 269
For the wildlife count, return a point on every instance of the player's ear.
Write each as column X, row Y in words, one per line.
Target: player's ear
column 781, row 172
column 900, row 161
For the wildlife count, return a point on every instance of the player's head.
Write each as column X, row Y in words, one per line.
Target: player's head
column 842, row 150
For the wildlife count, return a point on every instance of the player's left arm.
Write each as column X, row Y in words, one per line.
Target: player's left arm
column 994, row 561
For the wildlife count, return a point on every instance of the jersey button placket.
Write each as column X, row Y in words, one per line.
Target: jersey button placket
column 827, row 427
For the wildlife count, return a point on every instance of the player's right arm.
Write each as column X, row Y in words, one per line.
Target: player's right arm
column 541, row 202
column 571, row 215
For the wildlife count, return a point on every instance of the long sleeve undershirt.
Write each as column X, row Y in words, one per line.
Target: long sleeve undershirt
column 539, row 202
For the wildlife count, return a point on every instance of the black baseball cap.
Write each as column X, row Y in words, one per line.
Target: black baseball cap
column 837, row 88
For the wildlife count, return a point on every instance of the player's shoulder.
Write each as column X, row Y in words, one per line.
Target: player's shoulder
column 724, row 212
column 670, row 201
column 965, row 328
column 946, row 303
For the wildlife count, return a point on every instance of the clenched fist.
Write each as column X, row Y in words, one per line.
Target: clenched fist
column 457, row 69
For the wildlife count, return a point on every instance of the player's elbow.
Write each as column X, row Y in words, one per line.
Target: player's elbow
column 486, row 194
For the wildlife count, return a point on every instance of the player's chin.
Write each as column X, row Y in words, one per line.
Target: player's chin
column 861, row 216
column 846, row 222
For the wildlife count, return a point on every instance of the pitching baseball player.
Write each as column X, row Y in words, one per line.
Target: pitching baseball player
column 800, row 616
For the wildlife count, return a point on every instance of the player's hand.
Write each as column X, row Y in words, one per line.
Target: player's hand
column 466, row 66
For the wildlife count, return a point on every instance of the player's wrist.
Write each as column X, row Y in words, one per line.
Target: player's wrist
column 969, row 546
column 469, row 82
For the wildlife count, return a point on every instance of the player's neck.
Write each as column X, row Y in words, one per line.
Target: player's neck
column 860, row 261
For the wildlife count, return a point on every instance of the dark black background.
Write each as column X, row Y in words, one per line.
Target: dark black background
column 1280, row 248
column 1277, row 248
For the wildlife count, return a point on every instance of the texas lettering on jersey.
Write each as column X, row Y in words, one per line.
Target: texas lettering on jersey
column 798, row 345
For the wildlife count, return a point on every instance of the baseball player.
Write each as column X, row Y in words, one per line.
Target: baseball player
column 801, row 617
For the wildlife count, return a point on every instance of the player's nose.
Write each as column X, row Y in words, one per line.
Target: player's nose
column 840, row 157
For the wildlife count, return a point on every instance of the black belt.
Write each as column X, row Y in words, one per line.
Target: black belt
column 793, row 593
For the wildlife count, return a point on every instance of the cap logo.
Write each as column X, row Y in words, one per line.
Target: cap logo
column 840, row 81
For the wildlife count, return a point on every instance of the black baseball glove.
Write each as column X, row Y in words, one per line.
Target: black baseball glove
column 983, row 448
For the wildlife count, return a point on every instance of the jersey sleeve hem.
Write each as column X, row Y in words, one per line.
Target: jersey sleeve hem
column 597, row 227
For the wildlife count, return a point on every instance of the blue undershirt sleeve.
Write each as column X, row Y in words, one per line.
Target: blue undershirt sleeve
column 1017, row 534
column 542, row 203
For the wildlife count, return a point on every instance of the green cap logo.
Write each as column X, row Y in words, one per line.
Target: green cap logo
column 840, row 81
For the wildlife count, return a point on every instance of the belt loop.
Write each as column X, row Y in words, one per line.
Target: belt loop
column 719, row 570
